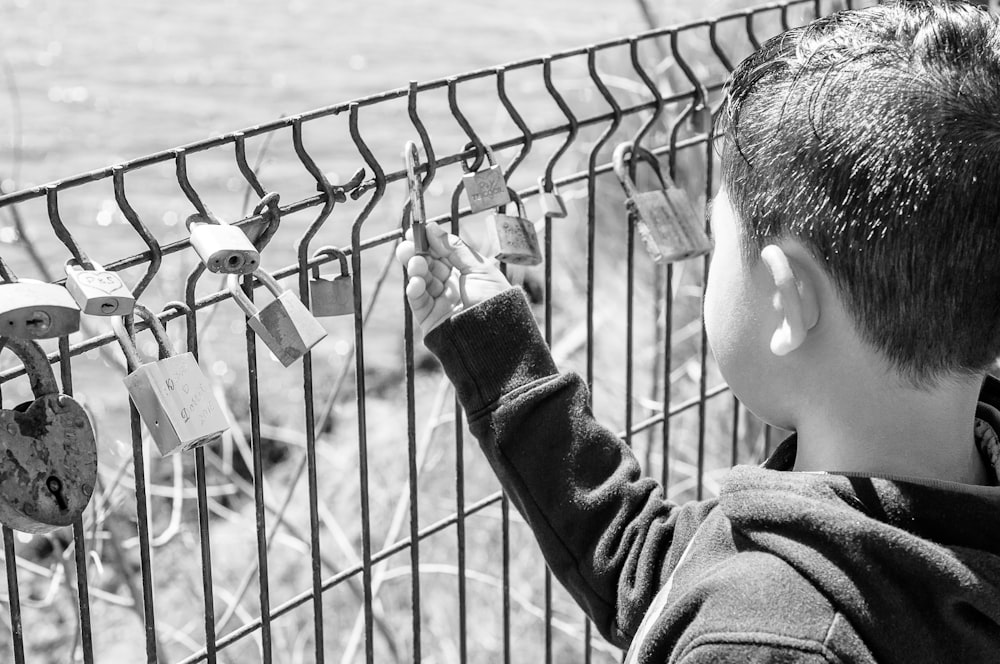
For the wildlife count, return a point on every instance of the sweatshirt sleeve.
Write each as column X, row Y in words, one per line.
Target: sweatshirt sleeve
column 605, row 532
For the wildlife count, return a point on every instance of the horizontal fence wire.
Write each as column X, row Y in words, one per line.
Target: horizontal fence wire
column 342, row 518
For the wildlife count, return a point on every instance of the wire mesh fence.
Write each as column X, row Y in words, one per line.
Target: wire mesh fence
column 342, row 517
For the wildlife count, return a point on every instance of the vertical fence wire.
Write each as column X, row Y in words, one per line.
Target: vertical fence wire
column 582, row 163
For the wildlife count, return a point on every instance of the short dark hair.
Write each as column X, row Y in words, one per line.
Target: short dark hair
column 872, row 136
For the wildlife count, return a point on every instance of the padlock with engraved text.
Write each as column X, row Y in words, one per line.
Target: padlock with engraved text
column 516, row 237
column 48, row 469
column 224, row 249
column 284, row 324
column 172, row 395
column 553, row 205
column 32, row 309
column 97, row 291
column 331, row 297
column 486, row 188
column 669, row 227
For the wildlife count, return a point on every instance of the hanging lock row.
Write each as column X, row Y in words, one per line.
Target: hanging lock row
column 48, row 470
column 31, row 309
column 668, row 225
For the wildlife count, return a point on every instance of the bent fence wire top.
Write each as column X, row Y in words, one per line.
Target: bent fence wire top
column 341, row 517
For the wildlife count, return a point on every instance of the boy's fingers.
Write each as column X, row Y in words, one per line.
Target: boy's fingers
column 417, row 266
column 415, row 288
column 440, row 270
column 451, row 247
column 435, row 288
column 405, row 251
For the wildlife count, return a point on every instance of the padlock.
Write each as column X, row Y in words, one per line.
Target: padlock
column 331, row 297
column 701, row 118
column 48, row 469
column 669, row 227
column 284, row 325
column 516, row 237
column 418, row 214
column 172, row 395
column 32, row 309
column 224, row 249
column 486, row 188
column 553, row 205
column 98, row 292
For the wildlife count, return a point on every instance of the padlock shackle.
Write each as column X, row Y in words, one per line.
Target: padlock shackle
column 627, row 152
column 132, row 357
column 411, row 160
column 36, row 364
column 73, row 264
column 336, row 253
column 480, row 149
column 241, row 299
column 517, row 202
column 272, row 218
column 547, row 185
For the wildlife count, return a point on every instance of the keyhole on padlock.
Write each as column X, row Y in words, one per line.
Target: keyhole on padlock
column 108, row 307
column 55, row 487
column 39, row 320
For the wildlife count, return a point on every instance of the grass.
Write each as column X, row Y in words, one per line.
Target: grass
column 99, row 83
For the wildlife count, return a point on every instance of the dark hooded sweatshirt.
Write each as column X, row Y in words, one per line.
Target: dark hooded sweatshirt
column 784, row 566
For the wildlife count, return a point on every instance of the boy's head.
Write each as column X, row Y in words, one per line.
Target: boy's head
column 872, row 139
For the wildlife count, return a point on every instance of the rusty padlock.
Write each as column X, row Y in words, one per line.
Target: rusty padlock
column 32, row 309
column 284, row 325
column 224, row 249
column 172, row 395
column 98, row 292
column 418, row 214
column 669, row 227
column 48, row 469
column 553, row 205
column 331, row 297
column 486, row 188
column 516, row 237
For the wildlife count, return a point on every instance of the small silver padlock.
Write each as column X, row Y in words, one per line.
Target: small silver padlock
column 516, row 237
column 669, row 227
column 224, row 249
column 486, row 188
column 48, row 469
column 331, row 297
column 418, row 214
column 553, row 205
column 32, row 309
column 98, row 292
column 172, row 395
column 284, row 325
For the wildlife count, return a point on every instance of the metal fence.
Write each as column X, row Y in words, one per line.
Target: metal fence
column 344, row 517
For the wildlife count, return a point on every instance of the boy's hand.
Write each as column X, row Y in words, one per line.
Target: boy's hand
column 453, row 277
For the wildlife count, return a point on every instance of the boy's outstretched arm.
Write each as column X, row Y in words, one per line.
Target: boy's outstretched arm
column 607, row 534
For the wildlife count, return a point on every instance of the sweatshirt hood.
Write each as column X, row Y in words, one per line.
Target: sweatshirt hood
column 879, row 547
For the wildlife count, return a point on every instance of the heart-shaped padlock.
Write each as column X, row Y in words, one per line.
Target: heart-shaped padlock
column 48, row 468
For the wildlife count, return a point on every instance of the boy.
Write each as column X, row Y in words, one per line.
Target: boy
column 854, row 298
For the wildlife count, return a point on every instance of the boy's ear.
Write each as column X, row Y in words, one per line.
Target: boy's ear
column 794, row 300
